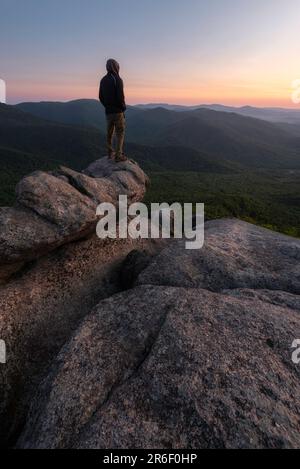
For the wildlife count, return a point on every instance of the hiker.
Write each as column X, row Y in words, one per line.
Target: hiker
column 111, row 95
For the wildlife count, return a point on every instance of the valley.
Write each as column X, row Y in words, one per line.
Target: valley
column 239, row 166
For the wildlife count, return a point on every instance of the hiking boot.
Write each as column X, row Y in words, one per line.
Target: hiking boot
column 121, row 158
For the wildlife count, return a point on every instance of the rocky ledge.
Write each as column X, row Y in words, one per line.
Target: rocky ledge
column 141, row 344
column 49, row 283
column 55, row 208
column 196, row 355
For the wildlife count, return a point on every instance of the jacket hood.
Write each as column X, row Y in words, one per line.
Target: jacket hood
column 112, row 66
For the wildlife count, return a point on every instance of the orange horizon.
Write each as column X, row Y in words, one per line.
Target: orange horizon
column 241, row 53
column 230, row 95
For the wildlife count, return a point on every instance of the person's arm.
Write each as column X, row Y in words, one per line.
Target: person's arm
column 100, row 93
column 120, row 94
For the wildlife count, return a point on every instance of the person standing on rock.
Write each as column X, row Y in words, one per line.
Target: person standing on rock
column 111, row 95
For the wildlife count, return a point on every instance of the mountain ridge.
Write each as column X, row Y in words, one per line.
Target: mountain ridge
column 267, row 140
column 29, row 143
column 233, row 174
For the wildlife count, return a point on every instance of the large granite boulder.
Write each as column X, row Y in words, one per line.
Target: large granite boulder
column 19, row 229
column 235, row 254
column 57, row 207
column 55, row 282
column 165, row 367
column 126, row 174
column 57, row 202
column 42, row 308
column 198, row 355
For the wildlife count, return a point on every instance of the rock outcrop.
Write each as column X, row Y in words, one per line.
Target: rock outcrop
column 55, row 208
column 140, row 343
column 196, row 355
column 43, row 304
column 235, row 255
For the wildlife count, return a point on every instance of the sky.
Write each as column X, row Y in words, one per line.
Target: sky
column 234, row 52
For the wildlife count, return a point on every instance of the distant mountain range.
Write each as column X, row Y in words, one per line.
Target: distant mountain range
column 70, row 140
column 28, row 143
column 223, row 137
column 90, row 109
column 272, row 114
column 237, row 165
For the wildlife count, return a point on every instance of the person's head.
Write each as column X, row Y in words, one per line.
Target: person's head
column 112, row 66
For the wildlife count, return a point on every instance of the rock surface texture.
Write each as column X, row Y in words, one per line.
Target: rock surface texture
column 43, row 303
column 55, row 208
column 235, row 255
column 197, row 354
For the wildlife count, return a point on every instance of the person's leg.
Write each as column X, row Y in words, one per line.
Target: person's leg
column 120, row 134
column 110, row 133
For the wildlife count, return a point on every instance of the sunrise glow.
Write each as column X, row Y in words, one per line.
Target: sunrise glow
column 230, row 52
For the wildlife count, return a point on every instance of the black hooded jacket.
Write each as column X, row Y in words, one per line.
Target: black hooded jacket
column 111, row 92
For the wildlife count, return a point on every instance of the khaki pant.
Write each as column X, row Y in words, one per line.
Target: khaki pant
column 115, row 125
